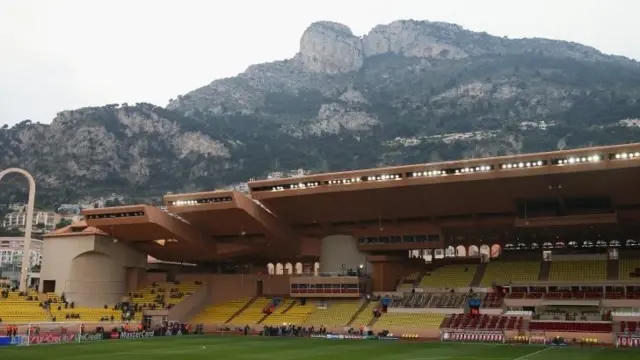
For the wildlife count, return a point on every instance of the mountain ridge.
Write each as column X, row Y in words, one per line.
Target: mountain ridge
column 405, row 92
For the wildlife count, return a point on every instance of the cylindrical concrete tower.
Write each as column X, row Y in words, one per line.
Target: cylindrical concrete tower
column 338, row 250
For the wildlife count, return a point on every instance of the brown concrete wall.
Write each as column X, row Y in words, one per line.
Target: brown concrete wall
column 310, row 247
column 387, row 274
column 225, row 287
column 192, row 305
column 150, row 278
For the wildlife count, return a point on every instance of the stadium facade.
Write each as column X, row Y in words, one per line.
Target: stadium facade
column 386, row 223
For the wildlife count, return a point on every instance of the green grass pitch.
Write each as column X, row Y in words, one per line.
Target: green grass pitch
column 258, row 348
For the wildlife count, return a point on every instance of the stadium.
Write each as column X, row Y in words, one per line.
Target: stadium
column 536, row 249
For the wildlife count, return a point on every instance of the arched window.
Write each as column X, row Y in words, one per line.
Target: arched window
column 316, row 268
column 496, row 250
column 271, row 269
column 473, row 251
column 298, row 268
column 450, row 251
column 288, row 268
column 461, row 251
column 279, row 269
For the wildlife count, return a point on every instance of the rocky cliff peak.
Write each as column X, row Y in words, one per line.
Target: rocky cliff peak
column 330, row 47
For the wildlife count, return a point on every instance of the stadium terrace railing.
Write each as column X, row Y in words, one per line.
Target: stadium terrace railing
column 332, row 274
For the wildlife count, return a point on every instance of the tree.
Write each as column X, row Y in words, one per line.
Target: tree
column 63, row 223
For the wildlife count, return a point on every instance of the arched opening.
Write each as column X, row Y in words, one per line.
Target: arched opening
column 496, row 250
column 298, row 268
column 461, row 251
column 288, row 268
column 316, row 268
column 98, row 278
column 484, row 250
column 473, row 251
column 271, row 269
column 279, row 269
column 450, row 251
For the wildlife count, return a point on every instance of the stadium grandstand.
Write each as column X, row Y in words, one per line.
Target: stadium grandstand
column 519, row 247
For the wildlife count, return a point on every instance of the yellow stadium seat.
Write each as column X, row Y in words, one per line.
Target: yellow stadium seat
column 220, row 313
column 449, row 276
column 504, row 272
column 409, row 320
column 336, row 313
column 17, row 309
column 626, row 268
column 252, row 314
column 407, row 282
column 149, row 294
column 366, row 315
column 290, row 312
column 586, row 270
column 86, row 314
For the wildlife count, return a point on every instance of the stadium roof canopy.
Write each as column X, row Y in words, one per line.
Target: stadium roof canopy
column 594, row 188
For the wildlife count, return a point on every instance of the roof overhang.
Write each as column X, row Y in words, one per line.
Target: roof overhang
column 233, row 217
column 149, row 229
column 464, row 191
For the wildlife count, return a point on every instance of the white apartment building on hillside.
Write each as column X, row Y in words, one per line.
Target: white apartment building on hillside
column 19, row 220
column 11, row 250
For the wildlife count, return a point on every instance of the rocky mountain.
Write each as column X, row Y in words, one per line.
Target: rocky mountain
column 406, row 92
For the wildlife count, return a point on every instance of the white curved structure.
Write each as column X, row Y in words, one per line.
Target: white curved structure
column 26, row 252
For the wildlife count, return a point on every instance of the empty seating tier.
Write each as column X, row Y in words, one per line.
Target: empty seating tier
column 335, row 313
column 492, row 300
column 295, row 315
column 366, row 315
column 409, row 320
column 220, row 313
column 629, row 270
column 448, row 300
column 504, row 272
column 252, row 314
column 19, row 309
column 449, row 276
column 587, row 270
column 414, row 300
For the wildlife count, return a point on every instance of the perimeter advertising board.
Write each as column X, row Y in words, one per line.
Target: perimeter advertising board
column 54, row 338
column 124, row 335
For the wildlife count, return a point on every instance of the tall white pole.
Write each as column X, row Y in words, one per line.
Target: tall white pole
column 26, row 251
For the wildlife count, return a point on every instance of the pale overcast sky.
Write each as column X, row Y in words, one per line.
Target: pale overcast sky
column 66, row 54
